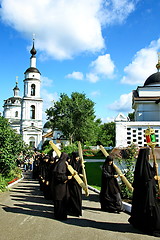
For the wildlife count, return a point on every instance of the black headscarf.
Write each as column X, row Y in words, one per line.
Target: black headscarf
column 74, row 163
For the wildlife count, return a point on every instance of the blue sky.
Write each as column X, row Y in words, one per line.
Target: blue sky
column 103, row 48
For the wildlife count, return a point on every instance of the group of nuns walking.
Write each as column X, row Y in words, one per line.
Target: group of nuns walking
column 57, row 183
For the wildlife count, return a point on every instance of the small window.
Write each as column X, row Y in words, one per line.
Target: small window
column 16, row 114
column 32, row 112
column 33, row 88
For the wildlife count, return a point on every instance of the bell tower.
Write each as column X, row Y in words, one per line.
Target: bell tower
column 31, row 114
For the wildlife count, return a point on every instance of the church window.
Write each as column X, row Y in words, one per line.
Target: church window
column 33, row 88
column 16, row 114
column 32, row 112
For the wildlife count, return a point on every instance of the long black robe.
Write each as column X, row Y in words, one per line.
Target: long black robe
column 110, row 198
column 60, row 189
column 75, row 190
column 46, row 177
column 145, row 213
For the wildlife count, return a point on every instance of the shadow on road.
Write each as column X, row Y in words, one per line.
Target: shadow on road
column 27, row 199
column 110, row 226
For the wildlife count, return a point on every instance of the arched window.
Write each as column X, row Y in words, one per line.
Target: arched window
column 32, row 112
column 16, row 114
column 33, row 89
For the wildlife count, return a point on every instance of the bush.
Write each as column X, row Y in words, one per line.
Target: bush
column 128, row 159
column 3, row 183
column 5, row 180
column 70, row 148
column 11, row 145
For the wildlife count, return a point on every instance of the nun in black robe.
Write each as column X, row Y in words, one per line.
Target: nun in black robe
column 145, row 212
column 60, row 188
column 110, row 198
column 75, row 190
column 46, row 177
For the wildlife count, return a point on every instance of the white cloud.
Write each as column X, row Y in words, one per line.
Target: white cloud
column 65, row 28
column 92, row 77
column 107, row 119
column 123, row 104
column 103, row 65
column 46, row 82
column 75, row 75
column 143, row 65
column 116, row 10
column 95, row 93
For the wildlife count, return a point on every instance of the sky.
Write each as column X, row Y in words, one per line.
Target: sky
column 103, row 48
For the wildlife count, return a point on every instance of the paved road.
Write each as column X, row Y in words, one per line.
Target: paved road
column 26, row 215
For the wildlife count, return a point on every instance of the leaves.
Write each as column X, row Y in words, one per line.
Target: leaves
column 74, row 116
column 11, row 144
column 107, row 134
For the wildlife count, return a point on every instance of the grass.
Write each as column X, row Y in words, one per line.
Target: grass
column 93, row 172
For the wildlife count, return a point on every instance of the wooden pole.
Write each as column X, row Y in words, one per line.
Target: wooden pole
column 55, row 148
column 83, row 167
column 119, row 172
column 71, row 169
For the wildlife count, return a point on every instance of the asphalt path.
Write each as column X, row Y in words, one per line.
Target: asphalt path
column 26, row 215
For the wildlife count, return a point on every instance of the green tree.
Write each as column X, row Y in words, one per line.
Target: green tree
column 75, row 117
column 107, row 134
column 131, row 116
column 11, row 145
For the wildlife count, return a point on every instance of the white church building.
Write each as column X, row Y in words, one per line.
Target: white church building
column 25, row 113
column 146, row 105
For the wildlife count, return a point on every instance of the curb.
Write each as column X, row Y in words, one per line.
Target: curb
column 11, row 184
column 126, row 206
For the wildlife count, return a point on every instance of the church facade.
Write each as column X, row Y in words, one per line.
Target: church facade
column 25, row 113
column 146, row 105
